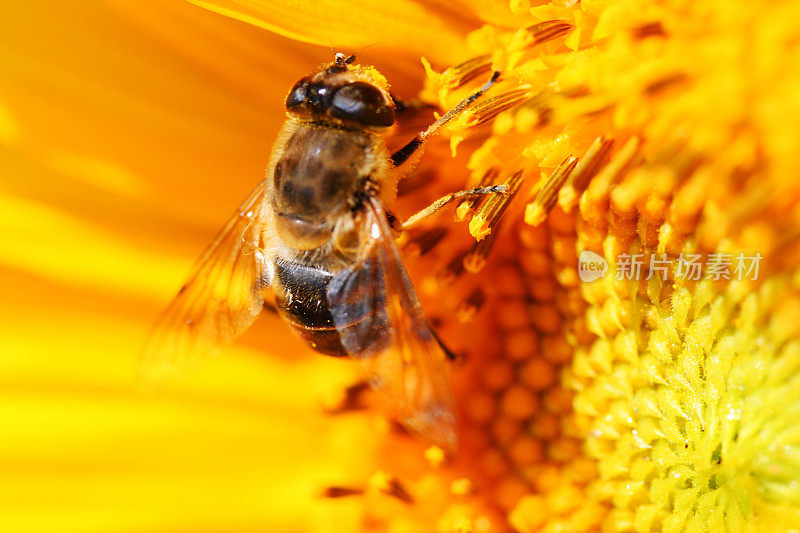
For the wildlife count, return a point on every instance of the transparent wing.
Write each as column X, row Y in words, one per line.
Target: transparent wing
column 381, row 324
column 224, row 294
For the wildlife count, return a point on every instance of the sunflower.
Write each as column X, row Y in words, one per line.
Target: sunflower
column 629, row 318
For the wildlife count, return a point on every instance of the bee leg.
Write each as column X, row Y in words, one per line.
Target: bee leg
column 263, row 290
column 394, row 222
column 412, row 117
column 404, row 107
column 404, row 153
column 444, row 200
column 447, row 351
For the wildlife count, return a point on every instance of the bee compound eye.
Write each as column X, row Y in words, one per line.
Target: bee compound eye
column 362, row 103
column 298, row 94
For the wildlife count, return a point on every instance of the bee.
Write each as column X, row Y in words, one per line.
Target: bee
column 316, row 242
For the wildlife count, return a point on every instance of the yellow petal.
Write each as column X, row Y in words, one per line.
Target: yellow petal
column 128, row 133
column 435, row 30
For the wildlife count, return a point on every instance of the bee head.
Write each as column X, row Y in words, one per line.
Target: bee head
column 343, row 93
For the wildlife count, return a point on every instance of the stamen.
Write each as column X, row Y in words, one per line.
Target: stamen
column 578, row 91
column 415, row 181
column 542, row 104
column 341, row 492
column 461, row 74
column 536, row 211
column 469, row 308
column 468, row 206
column 648, row 30
column 423, row 242
column 587, row 167
column 489, row 214
column 621, row 162
column 548, row 31
column 391, row 486
column 351, row 399
column 685, row 165
column 462, row 487
column 435, row 456
column 463, row 524
column 594, row 202
column 475, row 260
column 486, row 110
column 668, row 149
column 452, row 271
column 664, row 82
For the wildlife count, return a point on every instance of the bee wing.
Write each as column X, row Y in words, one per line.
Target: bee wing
column 224, row 294
column 381, row 324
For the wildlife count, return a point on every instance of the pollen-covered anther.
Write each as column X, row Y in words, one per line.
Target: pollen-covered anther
column 390, row 485
column 415, row 181
column 475, row 259
column 668, row 148
column 347, row 400
column 452, row 270
column 591, row 162
column 463, row 73
column 649, row 30
column 489, row 108
column 548, row 30
column 462, row 487
column 435, row 456
column 421, row 242
column 491, row 212
column 463, row 525
column 536, row 212
column 467, row 207
column 683, row 166
column 471, row 306
column 665, row 82
column 594, row 204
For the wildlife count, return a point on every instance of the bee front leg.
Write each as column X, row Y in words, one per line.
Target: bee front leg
column 444, row 200
column 411, row 106
column 403, row 154
column 394, row 222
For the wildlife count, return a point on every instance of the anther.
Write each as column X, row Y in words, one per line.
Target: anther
column 415, row 181
column 351, row 399
column 391, row 486
column 468, row 206
column 594, row 158
column 423, row 242
column 471, row 306
column 489, row 214
column 536, row 211
column 548, row 31
column 341, row 492
column 491, row 107
column 476, row 259
column 462, row 73
column 452, row 271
